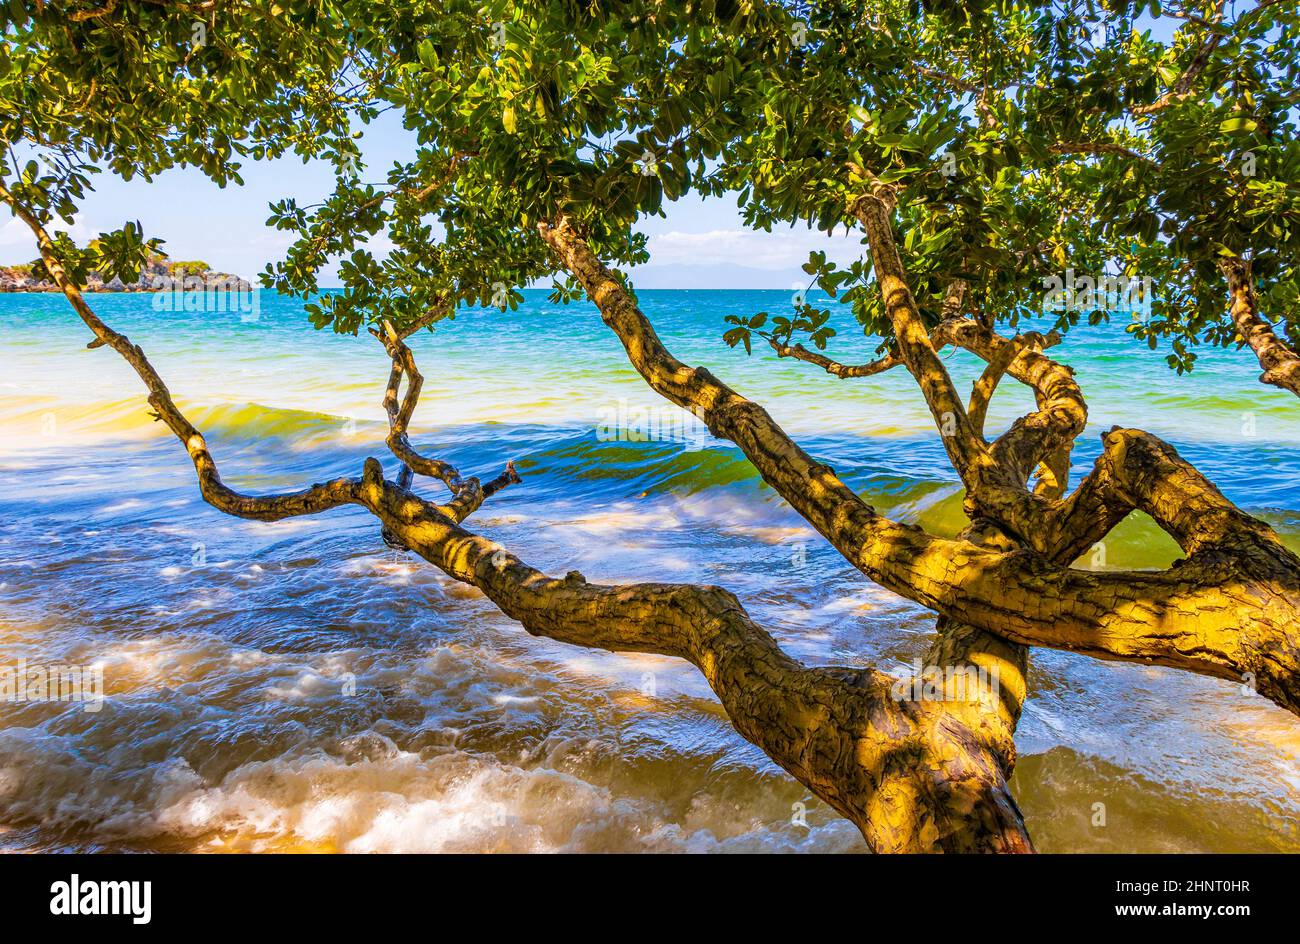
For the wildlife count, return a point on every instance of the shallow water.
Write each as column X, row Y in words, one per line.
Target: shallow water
column 299, row 686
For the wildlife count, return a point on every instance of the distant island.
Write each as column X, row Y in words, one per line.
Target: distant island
column 158, row 274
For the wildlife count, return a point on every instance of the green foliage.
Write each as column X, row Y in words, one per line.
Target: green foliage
column 147, row 86
column 1022, row 140
column 1019, row 138
column 1020, row 146
column 120, row 254
column 188, row 267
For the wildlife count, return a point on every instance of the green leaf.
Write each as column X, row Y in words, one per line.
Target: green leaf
column 1238, row 125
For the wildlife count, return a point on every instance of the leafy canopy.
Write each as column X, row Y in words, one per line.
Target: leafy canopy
column 1026, row 139
column 137, row 87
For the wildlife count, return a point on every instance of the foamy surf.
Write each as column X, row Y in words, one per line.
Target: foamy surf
column 298, row 686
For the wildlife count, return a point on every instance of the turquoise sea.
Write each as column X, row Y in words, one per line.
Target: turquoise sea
column 301, row 686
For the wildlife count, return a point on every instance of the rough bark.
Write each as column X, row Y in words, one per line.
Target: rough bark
column 912, row 775
column 1188, row 617
column 963, row 443
column 1281, row 364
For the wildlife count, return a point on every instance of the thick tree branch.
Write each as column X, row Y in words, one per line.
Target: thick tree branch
column 994, row 485
column 909, row 772
column 1189, row 617
column 911, row 775
column 1281, row 364
column 1037, row 437
column 964, row 446
column 1137, row 471
column 82, row 15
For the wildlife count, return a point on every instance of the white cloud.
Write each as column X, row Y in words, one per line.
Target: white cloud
column 781, row 249
column 17, row 240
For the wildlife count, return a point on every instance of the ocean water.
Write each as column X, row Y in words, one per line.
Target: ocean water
column 300, row 686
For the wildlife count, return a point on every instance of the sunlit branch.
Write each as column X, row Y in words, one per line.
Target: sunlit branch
column 1188, row 617
column 317, row 498
column 468, row 493
column 1281, row 364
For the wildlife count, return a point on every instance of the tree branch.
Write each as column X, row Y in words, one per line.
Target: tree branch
column 835, row 368
column 911, row 774
column 1189, row 617
column 83, row 15
column 468, row 493
column 317, row 498
column 1281, row 364
column 1098, row 148
column 964, row 446
column 1182, row 88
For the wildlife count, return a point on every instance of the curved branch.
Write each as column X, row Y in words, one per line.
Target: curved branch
column 1281, row 364
column 1189, row 617
column 1182, row 88
column 317, row 498
column 966, row 449
column 835, row 368
column 1062, row 413
column 910, row 773
column 998, row 365
column 469, row 494
column 1139, row 472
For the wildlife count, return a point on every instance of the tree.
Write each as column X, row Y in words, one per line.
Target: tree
column 547, row 130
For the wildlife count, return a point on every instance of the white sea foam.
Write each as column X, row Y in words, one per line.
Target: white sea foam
column 228, row 723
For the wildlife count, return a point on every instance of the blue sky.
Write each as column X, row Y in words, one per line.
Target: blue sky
column 701, row 244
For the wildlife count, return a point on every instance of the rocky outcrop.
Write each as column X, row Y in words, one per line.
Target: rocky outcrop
column 157, row 275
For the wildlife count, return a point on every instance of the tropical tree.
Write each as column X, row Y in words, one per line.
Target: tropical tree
column 982, row 149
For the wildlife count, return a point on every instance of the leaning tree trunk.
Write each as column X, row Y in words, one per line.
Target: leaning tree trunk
column 914, row 772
